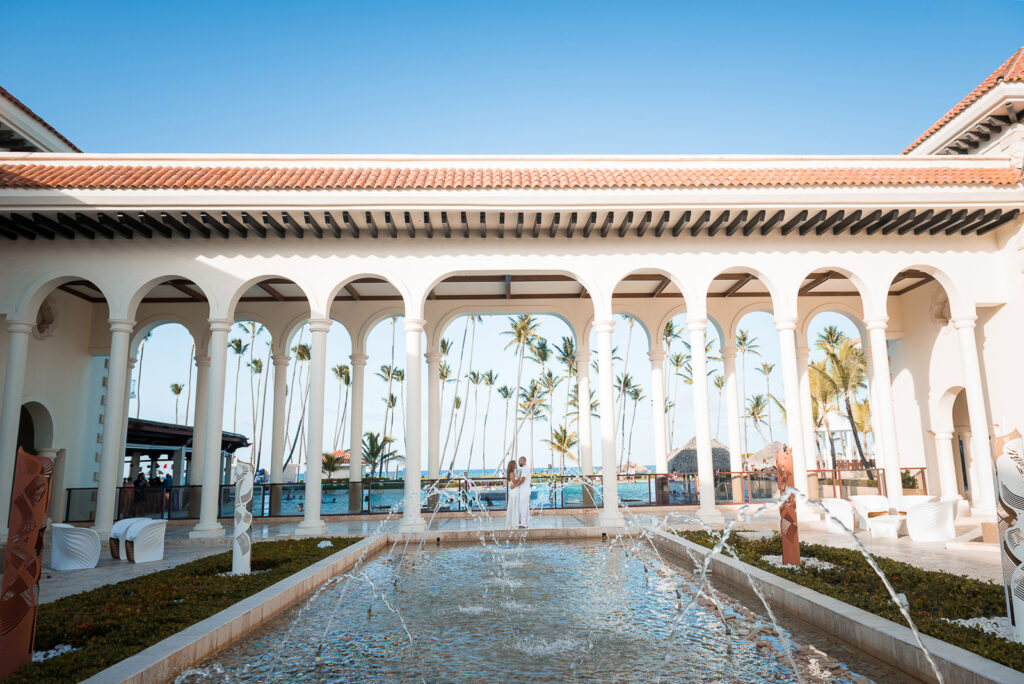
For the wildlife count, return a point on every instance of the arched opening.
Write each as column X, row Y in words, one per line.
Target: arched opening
column 963, row 458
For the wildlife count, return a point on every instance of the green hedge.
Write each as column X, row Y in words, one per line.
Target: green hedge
column 116, row 621
column 932, row 595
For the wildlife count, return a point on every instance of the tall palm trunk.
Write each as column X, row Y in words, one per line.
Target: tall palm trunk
column 504, row 434
column 483, row 443
column 519, row 380
column 188, row 387
column 828, row 437
column 290, row 387
column 476, row 415
column 337, row 417
column 632, row 424
column 391, row 374
column 743, row 400
column 138, row 383
column 622, row 395
column 458, row 380
column 465, row 400
column 263, row 408
column 344, row 419
column 853, row 429
column 768, row 394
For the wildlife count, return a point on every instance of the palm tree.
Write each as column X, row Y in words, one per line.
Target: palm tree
column 745, row 344
column 573, row 406
column 386, row 373
column 238, row 347
column 562, row 441
column 302, row 354
column 623, row 383
column 505, row 392
column 343, row 375
column 188, row 385
column 458, row 381
column 330, row 463
column 176, row 391
column 253, row 329
column 400, row 379
column 669, row 336
column 846, row 369
column 256, row 368
column 548, row 382
column 636, row 393
column 522, row 330
column 766, row 369
column 757, row 404
column 531, row 408
column 623, row 389
column 822, row 398
column 719, row 382
column 138, row 383
column 375, row 451
column 489, row 378
column 475, row 378
column 678, row 361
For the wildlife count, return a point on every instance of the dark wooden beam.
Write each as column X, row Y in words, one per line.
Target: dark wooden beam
column 111, row 224
column 627, row 221
column 902, row 220
column 66, row 287
column 645, row 221
column 750, row 226
column 183, row 286
column 1013, row 114
column 465, row 224
column 265, row 286
column 865, row 222
column 662, row 223
column 810, row 223
column 483, row 224
column 313, row 224
column 661, row 287
column 353, row 229
column 519, row 224
column 827, row 224
column 353, row 292
column 970, row 221
column 194, row 224
column 677, row 229
column 144, row 229
column 175, row 225
column 214, row 224
column 555, row 220
column 942, row 225
column 607, row 225
column 274, row 224
column 838, row 228
column 445, row 224
column 908, row 227
column 717, row 223
column 699, row 223
column 816, row 282
column 389, row 223
column 428, row 226
column 571, row 228
column 508, row 287
column 254, row 222
column 6, row 232
column 410, row 227
column 52, row 225
column 734, row 288
column 371, row 225
column 770, row 223
column 501, row 225
column 734, row 225
column 11, row 227
column 81, row 229
column 789, row 225
column 29, row 226
column 536, row 225
column 588, row 225
column 938, row 219
column 992, row 225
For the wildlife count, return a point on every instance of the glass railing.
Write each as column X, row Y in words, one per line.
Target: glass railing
column 842, row 483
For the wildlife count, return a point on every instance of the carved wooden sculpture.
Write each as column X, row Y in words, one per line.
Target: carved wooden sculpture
column 19, row 592
column 787, row 511
column 242, row 548
column 1008, row 454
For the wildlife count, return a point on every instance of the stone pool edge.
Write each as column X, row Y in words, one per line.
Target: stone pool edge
column 170, row 657
column 883, row 639
column 166, row 659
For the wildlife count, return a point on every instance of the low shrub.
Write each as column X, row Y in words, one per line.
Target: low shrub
column 931, row 595
column 108, row 624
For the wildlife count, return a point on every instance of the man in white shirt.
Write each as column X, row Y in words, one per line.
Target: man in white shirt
column 523, row 491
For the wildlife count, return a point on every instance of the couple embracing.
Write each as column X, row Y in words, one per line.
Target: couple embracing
column 517, row 512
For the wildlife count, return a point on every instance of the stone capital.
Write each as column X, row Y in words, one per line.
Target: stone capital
column 728, row 353
column 121, row 325
column 964, row 322
column 19, row 327
column 876, row 323
column 782, row 324
column 221, row 324
column 944, row 436
column 414, row 325
column 319, row 325
column 358, row 360
column 279, row 360
column 434, row 358
column 203, row 361
column 656, row 356
column 604, row 325
column 696, row 324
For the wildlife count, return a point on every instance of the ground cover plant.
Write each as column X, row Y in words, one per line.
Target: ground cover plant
column 110, row 623
column 931, row 595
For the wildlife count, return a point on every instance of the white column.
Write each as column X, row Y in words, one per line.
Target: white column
column 212, row 421
column 583, row 419
column 702, row 420
column 10, row 412
column 412, row 519
column 195, row 468
column 111, row 453
column 277, row 435
column 982, row 486
column 312, row 525
column 803, row 360
column 610, row 515
column 127, row 409
column 791, row 391
column 944, row 456
column 355, row 465
column 657, row 357
column 883, row 408
column 57, row 496
column 434, row 415
column 732, row 409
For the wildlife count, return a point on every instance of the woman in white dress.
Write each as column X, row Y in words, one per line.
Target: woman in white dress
column 512, row 480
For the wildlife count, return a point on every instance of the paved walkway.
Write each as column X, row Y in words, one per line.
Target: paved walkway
column 973, row 560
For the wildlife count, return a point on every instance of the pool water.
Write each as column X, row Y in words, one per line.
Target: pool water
column 539, row 612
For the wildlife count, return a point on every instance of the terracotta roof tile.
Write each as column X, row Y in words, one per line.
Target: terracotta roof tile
column 1012, row 70
column 112, row 176
column 23, row 107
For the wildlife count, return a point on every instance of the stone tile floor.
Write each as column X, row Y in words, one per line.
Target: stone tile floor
column 979, row 561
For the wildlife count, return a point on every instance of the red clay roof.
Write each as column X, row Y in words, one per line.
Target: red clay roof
column 22, row 106
column 72, row 176
column 1011, row 70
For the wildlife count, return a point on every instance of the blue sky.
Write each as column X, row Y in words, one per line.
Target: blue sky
column 481, row 77
column 527, row 77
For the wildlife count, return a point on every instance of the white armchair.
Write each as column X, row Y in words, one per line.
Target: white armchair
column 144, row 541
column 117, row 533
column 840, row 510
column 908, row 501
column 73, row 548
column 868, row 506
column 932, row 522
column 955, row 499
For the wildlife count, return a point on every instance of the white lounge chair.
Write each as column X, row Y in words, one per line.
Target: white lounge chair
column 932, row 522
column 841, row 510
column 73, row 548
column 868, row 506
column 908, row 501
column 956, row 499
column 144, row 541
column 117, row 532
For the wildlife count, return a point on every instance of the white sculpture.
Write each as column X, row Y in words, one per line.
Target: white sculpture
column 840, row 510
column 1008, row 453
column 73, row 548
column 242, row 550
column 932, row 521
column 144, row 540
column 117, row 533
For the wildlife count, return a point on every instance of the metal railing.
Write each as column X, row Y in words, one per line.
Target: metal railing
column 842, row 483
